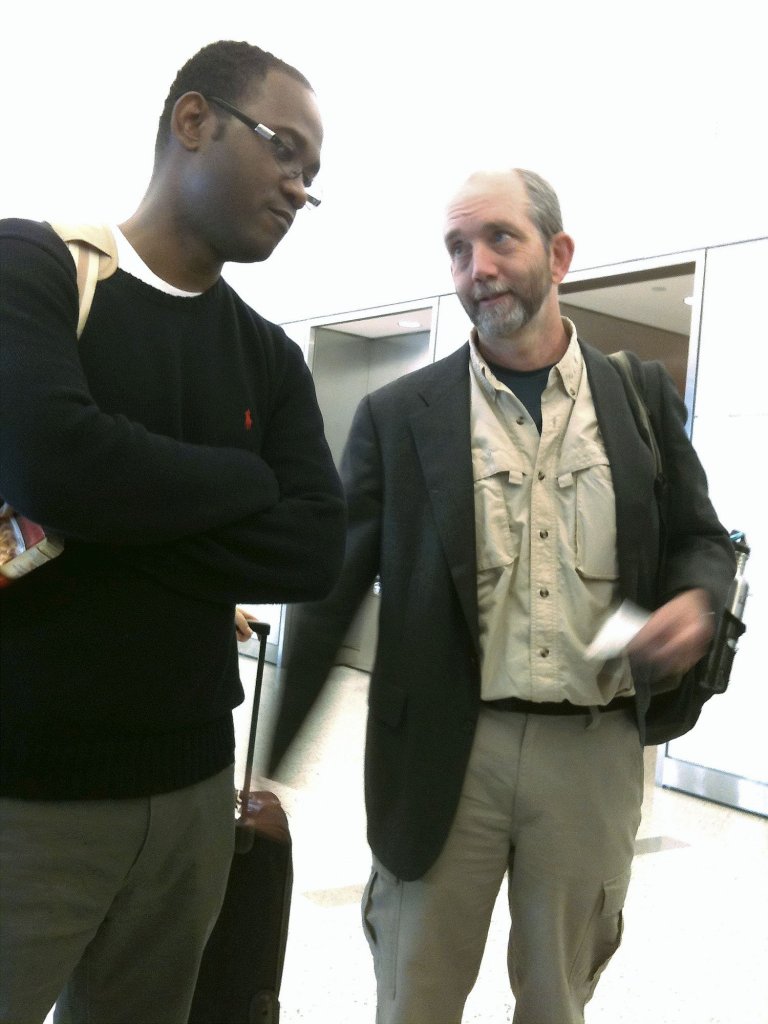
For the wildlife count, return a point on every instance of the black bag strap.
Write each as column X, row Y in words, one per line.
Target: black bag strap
column 635, row 391
column 94, row 250
column 630, row 370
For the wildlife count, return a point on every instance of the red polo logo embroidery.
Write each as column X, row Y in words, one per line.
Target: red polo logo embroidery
column 248, row 419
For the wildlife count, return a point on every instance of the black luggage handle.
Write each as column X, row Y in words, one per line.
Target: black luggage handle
column 261, row 629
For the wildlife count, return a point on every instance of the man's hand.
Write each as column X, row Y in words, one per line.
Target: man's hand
column 677, row 635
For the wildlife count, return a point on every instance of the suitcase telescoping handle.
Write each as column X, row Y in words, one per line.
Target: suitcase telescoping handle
column 261, row 629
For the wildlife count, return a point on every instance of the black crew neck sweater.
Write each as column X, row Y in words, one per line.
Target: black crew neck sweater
column 178, row 449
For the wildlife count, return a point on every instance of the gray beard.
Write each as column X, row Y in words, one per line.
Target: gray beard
column 517, row 309
column 504, row 320
column 500, row 322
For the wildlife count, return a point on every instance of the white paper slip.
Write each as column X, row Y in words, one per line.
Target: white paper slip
column 617, row 631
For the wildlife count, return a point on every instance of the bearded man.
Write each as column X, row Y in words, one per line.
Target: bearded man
column 506, row 500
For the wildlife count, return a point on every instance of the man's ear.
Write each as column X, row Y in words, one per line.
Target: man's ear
column 189, row 119
column 561, row 249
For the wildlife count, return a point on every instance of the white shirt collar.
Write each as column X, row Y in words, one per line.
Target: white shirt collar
column 130, row 261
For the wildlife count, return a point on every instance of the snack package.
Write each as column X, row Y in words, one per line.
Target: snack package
column 24, row 546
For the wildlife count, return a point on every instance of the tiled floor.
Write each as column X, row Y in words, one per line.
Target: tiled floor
column 696, row 941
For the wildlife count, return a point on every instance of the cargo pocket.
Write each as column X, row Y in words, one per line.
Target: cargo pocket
column 497, row 543
column 594, row 512
column 604, row 934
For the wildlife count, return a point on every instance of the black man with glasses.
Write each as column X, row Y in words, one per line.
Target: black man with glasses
column 177, row 449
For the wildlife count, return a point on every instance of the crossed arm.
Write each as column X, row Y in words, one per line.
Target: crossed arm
column 219, row 522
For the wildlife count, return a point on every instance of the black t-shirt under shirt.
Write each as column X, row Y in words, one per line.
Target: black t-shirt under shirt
column 527, row 385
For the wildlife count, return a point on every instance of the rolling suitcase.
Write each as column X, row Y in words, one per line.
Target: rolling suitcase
column 239, row 979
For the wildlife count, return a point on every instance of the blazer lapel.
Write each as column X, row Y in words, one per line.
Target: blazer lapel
column 442, row 436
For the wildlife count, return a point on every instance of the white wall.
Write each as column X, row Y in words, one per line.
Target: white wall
column 730, row 432
column 647, row 119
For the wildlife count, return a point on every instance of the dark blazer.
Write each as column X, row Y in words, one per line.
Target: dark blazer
column 407, row 472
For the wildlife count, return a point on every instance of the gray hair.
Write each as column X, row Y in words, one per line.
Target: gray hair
column 544, row 205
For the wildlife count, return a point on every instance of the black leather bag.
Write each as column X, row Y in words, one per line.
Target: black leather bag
column 674, row 711
column 676, row 701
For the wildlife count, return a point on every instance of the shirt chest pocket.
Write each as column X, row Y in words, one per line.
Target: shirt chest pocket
column 500, row 486
column 586, row 491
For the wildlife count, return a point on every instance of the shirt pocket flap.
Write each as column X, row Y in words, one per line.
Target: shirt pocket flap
column 577, row 458
column 490, row 462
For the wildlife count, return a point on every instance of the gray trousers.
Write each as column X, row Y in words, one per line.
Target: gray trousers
column 105, row 906
column 553, row 802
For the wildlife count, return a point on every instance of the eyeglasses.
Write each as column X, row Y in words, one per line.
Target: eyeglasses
column 285, row 154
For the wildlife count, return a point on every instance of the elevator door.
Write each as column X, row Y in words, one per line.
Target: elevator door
column 347, row 365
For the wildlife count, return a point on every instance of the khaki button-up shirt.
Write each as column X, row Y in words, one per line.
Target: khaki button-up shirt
column 545, row 522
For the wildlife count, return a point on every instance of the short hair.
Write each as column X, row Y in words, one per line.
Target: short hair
column 226, row 69
column 544, row 208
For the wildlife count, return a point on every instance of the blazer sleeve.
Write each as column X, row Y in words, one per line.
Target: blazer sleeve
column 699, row 552
column 317, row 629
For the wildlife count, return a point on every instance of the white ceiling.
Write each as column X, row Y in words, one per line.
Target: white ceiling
column 387, row 325
column 659, row 302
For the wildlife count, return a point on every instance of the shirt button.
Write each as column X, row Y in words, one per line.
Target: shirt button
column 541, row 475
column 544, row 652
column 520, row 421
column 543, row 592
column 572, row 392
column 543, row 534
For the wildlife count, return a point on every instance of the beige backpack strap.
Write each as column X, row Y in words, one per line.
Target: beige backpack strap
column 94, row 251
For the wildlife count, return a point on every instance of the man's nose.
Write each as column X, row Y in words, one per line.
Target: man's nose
column 296, row 192
column 483, row 263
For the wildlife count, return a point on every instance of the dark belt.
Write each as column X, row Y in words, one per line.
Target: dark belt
column 562, row 707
